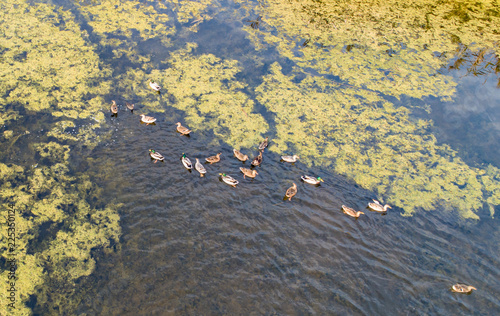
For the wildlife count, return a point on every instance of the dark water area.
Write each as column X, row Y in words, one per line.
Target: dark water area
column 194, row 245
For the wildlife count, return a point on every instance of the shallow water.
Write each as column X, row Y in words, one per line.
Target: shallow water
column 194, row 245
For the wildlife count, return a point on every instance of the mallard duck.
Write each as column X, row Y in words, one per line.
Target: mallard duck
column 290, row 158
column 130, row 106
column 213, row 159
column 248, row 172
column 240, row 156
column 200, row 168
column 351, row 212
column 462, row 288
column 156, row 155
column 114, row 107
column 186, row 162
column 264, row 144
column 291, row 191
column 257, row 160
column 228, row 179
column 377, row 207
column 183, row 130
column 156, row 87
column 147, row 119
column 312, row 180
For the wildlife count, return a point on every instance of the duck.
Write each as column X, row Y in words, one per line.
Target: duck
column 156, row 87
column 147, row 119
column 462, row 288
column 200, row 168
column 290, row 158
column 183, row 130
column 377, row 207
column 114, row 108
column 213, row 159
column 291, row 191
column 264, row 144
column 240, row 156
column 156, row 155
column 312, row 180
column 257, row 160
column 351, row 212
column 228, row 179
column 186, row 162
column 130, row 106
column 248, row 172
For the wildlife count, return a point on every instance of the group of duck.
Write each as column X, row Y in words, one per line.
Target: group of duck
column 375, row 206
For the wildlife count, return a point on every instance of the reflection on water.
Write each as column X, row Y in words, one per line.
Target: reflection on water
column 194, row 245
column 471, row 122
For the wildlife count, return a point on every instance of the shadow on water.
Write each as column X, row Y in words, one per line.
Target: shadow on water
column 194, row 245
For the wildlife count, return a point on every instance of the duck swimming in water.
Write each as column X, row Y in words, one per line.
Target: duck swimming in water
column 213, row 159
column 240, row 156
column 248, row 172
column 156, row 155
column 153, row 85
column 462, row 288
column 183, row 130
column 377, row 207
column 291, row 192
column 186, row 162
column 264, row 144
column 312, row 180
column 130, row 106
column 290, row 158
column 351, row 212
column 114, row 108
column 257, row 160
column 147, row 119
column 228, row 179
column 200, row 168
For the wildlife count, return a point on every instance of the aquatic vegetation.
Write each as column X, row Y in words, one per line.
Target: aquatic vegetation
column 192, row 11
column 392, row 47
column 204, row 87
column 123, row 25
column 368, row 139
column 56, row 228
column 49, row 65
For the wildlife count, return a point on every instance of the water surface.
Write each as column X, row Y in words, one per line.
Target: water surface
column 379, row 110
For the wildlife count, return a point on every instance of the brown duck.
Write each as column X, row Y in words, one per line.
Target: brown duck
column 213, row 159
column 291, row 191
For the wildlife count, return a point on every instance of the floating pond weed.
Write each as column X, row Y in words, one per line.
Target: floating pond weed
column 398, row 158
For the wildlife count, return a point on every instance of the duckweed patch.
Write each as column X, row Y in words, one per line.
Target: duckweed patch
column 398, row 158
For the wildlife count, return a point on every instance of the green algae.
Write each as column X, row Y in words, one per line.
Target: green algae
column 393, row 47
column 205, row 89
column 368, row 139
column 49, row 65
column 48, row 196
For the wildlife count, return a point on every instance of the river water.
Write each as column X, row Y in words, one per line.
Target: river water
column 197, row 246
column 193, row 245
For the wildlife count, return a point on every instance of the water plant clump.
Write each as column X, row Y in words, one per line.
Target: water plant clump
column 365, row 137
